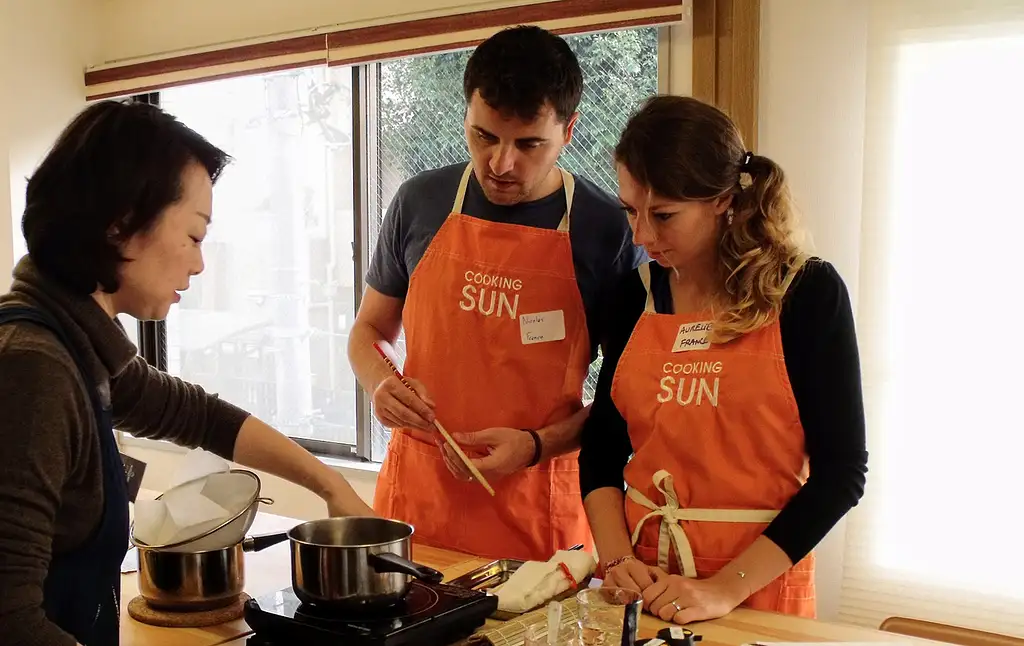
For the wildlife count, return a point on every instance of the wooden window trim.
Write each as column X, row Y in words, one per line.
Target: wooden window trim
column 726, row 56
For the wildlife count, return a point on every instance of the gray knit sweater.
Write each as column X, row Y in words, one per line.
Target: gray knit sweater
column 51, row 493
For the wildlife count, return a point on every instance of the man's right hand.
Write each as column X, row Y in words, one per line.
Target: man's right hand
column 396, row 406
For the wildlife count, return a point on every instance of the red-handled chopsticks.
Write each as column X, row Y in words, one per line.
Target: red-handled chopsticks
column 447, row 438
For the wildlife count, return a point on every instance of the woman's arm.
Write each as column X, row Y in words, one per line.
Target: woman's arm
column 154, row 405
column 604, row 451
column 261, row 447
column 605, row 446
column 820, row 345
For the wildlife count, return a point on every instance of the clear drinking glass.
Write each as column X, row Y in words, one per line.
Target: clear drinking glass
column 608, row 616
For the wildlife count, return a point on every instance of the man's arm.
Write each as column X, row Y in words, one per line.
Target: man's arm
column 379, row 320
column 562, row 437
column 502, row 451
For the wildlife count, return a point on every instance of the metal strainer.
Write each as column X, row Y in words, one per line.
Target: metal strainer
column 237, row 490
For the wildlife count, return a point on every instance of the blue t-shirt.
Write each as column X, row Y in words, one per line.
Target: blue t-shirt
column 602, row 243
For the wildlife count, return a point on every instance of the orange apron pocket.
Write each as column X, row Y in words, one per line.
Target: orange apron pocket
column 419, row 467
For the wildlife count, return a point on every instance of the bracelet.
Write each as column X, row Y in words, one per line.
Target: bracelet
column 536, row 447
column 617, row 562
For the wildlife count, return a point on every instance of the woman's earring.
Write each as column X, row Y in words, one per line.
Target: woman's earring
column 729, row 216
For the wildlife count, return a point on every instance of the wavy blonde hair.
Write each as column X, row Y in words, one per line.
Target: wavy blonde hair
column 683, row 149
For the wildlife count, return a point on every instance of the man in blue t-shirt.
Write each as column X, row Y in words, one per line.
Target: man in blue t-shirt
column 494, row 268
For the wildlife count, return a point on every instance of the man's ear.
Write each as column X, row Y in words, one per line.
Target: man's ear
column 570, row 126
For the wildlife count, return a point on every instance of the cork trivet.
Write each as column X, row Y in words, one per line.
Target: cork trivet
column 140, row 611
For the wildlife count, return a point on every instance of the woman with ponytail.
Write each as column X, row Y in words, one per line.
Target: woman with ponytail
column 729, row 402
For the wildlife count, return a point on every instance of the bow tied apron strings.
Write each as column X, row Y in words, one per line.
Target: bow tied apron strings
column 672, row 514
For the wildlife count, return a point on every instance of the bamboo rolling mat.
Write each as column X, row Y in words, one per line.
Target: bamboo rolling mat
column 514, row 631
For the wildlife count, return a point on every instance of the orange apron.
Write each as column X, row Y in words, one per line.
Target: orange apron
column 718, row 448
column 496, row 331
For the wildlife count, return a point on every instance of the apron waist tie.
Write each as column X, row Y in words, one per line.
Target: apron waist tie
column 671, row 515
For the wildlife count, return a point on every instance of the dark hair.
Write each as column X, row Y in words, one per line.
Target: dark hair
column 109, row 175
column 683, row 149
column 519, row 69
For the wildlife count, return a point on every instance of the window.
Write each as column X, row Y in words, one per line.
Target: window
column 266, row 325
column 936, row 538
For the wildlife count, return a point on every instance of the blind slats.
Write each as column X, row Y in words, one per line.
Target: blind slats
column 870, row 593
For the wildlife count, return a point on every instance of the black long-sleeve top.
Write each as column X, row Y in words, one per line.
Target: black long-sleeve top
column 820, row 347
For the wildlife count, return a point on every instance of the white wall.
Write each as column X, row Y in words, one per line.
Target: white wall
column 139, row 28
column 44, row 46
column 811, row 121
column 6, row 245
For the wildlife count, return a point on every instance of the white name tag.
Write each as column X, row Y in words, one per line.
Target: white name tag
column 692, row 336
column 542, row 327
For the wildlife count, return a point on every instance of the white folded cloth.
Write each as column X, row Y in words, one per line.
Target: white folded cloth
column 536, row 582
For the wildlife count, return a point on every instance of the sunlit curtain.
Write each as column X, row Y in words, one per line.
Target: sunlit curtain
column 940, row 535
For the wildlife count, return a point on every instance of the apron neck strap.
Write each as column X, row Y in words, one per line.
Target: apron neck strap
column 460, row 195
column 567, row 180
column 570, row 190
column 645, row 277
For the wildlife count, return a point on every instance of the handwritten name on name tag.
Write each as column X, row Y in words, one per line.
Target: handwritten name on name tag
column 692, row 336
column 542, row 327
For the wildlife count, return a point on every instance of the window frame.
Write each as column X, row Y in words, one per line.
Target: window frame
column 153, row 334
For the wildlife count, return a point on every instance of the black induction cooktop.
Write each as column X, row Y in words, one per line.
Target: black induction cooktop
column 429, row 615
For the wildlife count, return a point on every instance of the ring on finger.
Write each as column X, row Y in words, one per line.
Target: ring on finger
column 675, row 604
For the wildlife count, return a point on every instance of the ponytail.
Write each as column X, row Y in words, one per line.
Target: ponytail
column 760, row 249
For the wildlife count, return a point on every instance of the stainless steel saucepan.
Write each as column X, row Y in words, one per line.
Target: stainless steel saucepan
column 197, row 580
column 360, row 562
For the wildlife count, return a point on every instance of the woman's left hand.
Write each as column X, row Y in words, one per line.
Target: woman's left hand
column 343, row 501
column 694, row 599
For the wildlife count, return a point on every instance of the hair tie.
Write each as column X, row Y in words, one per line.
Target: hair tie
column 746, row 179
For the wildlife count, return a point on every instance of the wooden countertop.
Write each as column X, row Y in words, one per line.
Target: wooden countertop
column 269, row 570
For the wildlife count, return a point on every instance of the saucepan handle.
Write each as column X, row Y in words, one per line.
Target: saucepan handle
column 383, row 562
column 263, row 541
